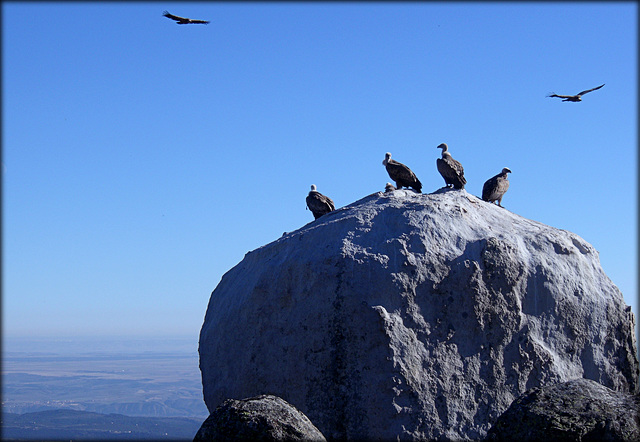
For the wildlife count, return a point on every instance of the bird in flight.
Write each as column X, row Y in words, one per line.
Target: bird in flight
column 575, row 98
column 184, row 21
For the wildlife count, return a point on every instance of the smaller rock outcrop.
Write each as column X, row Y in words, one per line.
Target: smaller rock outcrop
column 578, row 410
column 260, row 418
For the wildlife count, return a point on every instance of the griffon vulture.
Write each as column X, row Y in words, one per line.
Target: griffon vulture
column 495, row 188
column 318, row 203
column 401, row 174
column 184, row 21
column 450, row 169
column 575, row 98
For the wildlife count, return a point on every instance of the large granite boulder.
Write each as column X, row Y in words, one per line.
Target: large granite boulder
column 262, row 418
column 578, row 410
column 415, row 316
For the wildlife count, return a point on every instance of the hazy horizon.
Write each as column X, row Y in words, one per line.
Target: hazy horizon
column 98, row 343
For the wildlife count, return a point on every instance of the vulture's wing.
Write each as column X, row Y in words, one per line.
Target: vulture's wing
column 589, row 90
column 443, row 167
column 400, row 172
column 174, row 17
column 487, row 188
column 561, row 96
column 319, row 203
column 494, row 188
column 457, row 167
column 452, row 171
column 328, row 202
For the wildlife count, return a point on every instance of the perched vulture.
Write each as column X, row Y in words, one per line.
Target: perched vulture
column 450, row 169
column 401, row 174
column 575, row 98
column 389, row 187
column 318, row 203
column 184, row 21
column 495, row 188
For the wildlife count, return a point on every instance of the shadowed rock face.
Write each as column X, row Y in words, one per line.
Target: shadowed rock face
column 261, row 418
column 578, row 410
column 414, row 316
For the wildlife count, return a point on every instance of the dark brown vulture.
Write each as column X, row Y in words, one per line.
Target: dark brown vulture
column 450, row 169
column 184, row 21
column 575, row 98
column 389, row 187
column 495, row 188
column 318, row 203
column 401, row 174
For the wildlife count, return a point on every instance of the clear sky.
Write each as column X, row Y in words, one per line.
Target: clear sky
column 142, row 159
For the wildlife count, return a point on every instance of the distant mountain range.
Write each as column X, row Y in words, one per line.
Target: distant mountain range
column 82, row 425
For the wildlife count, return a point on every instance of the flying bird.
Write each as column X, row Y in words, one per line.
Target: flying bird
column 318, row 203
column 495, row 188
column 575, row 98
column 401, row 174
column 184, row 21
column 450, row 169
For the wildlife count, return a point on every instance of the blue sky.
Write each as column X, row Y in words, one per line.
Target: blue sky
column 142, row 159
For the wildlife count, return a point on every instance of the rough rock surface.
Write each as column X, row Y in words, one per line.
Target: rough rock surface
column 261, row 418
column 578, row 410
column 415, row 316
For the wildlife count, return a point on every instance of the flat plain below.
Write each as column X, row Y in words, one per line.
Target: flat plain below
column 133, row 377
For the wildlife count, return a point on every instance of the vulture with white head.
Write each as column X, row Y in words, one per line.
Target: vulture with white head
column 401, row 174
column 318, row 203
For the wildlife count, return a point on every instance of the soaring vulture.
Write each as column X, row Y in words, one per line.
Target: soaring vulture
column 401, row 174
column 450, row 169
column 184, row 21
column 389, row 188
column 495, row 188
column 575, row 98
column 318, row 203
